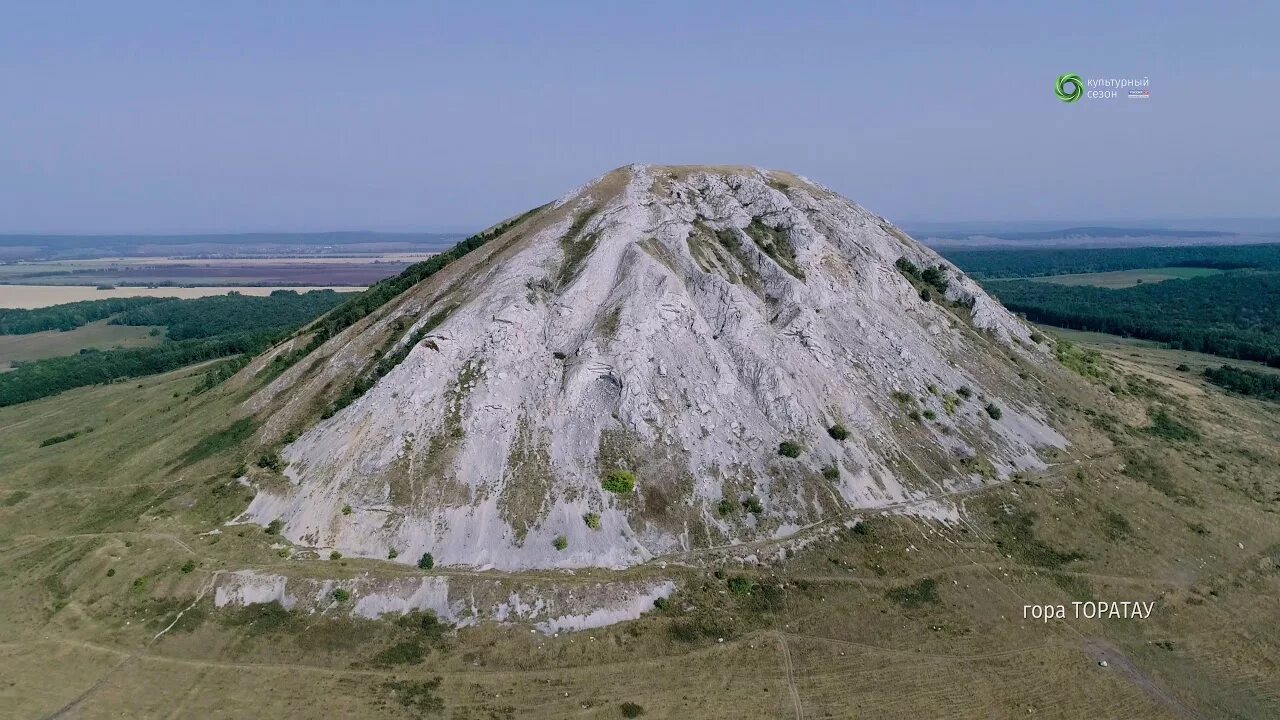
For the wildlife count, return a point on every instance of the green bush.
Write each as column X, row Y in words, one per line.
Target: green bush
column 619, row 481
column 1164, row 426
column 346, row 509
column 392, row 554
column 560, row 543
column 402, row 653
column 187, row 567
column 340, row 595
column 725, row 507
column 831, row 472
column 631, row 710
column 838, row 432
column 964, row 392
column 789, row 449
column 270, row 461
column 752, row 504
column 592, row 520
column 335, row 555
column 426, row 562
column 995, row 412
column 275, row 526
column 111, row 572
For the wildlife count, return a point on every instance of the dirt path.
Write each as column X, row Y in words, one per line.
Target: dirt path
column 791, row 676
column 1103, row 651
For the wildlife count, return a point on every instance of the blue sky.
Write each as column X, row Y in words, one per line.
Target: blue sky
column 233, row 116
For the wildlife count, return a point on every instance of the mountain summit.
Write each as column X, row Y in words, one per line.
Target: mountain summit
column 665, row 359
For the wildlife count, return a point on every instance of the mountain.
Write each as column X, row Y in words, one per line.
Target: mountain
column 665, row 359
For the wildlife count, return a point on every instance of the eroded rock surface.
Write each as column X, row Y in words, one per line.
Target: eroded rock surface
column 678, row 323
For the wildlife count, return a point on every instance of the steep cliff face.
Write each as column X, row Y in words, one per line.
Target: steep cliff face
column 665, row 359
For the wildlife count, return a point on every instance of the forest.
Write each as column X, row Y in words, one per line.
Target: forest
column 196, row 330
column 1236, row 314
column 68, row 316
column 1005, row 263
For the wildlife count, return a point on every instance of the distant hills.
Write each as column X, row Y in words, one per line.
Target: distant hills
column 1088, row 236
column 69, row 247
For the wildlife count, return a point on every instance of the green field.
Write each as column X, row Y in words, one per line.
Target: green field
column 1128, row 278
column 97, row 335
column 106, row 536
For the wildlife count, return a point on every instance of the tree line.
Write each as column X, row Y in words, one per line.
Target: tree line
column 201, row 329
column 1233, row 315
column 1040, row 262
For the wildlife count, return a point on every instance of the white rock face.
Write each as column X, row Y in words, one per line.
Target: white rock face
column 678, row 323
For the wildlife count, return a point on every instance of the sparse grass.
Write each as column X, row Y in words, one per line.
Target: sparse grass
column 220, row 442
column 924, row 592
column 1084, row 362
column 419, row 696
column 1116, row 525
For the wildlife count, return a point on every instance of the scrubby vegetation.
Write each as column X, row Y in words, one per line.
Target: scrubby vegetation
column 61, row 438
column 1246, row 382
column 619, row 481
column 789, row 449
column 919, row 593
column 1165, row 426
column 592, row 520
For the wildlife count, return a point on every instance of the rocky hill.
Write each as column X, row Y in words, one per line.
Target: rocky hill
column 665, row 359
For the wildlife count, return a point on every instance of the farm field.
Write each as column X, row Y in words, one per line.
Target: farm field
column 53, row 343
column 37, row 296
column 1128, row 278
column 318, row 271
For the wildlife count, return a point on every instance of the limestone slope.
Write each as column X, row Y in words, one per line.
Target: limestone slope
column 678, row 323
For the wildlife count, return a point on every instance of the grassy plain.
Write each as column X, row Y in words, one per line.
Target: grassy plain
column 97, row 335
column 906, row 617
column 1128, row 278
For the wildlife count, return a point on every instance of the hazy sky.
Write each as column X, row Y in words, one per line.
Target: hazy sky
column 230, row 116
